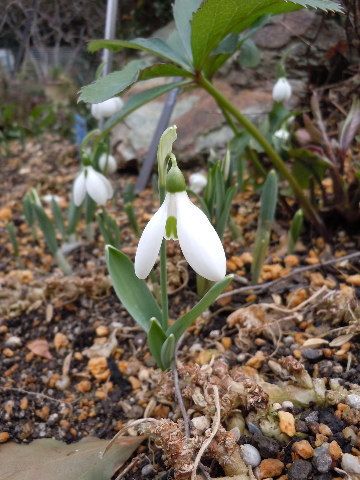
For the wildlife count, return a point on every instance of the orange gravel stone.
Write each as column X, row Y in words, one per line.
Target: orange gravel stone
column 303, row 449
column 269, row 468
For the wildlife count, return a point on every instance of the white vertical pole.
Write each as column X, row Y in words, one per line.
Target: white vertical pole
column 110, row 28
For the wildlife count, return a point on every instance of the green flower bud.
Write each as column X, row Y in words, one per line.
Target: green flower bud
column 175, row 181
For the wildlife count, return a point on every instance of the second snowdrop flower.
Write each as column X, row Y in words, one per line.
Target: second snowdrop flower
column 282, row 90
column 107, row 108
column 93, row 183
column 197, row 182
column 107, row 163
column 179, row 219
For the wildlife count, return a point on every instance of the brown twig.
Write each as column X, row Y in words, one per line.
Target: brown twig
column 260, row 287
column 34, row 394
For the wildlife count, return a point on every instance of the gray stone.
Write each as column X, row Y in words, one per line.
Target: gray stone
column 353, row 400
column 350, row 463
column 299, row 470
column 250, row 454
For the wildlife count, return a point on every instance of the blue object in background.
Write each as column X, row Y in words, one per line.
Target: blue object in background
column 80, row 128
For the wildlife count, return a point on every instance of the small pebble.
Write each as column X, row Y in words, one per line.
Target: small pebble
column 312, row 354
column 147, row 469
column 312, row 417
column 268, row 447
column 350, row 463
column 353, row 401
column 270, row 467
column 4, row 437
column 287, row 423
column 322, row 461
column 303, row 449
column 287, row 405
column 299, row 470
column 13, row 342
column 251, row 455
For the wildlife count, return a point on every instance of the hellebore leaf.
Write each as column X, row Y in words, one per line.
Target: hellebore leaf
column 49, row 458
column 155, row 46
column 179, row 327
column 163, row 70
column 106, row 87
column 214, row 20
column 156, row 340
column 140, row 99
column 183, row 11
column 132, row 292
column 250, row 55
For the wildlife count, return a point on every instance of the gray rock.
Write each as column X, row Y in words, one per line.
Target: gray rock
column 353, row 400
column 13, row 342
column 322, row 461
column 299, row 470
column 312, row 354
column 350, row 463
column 250, row 454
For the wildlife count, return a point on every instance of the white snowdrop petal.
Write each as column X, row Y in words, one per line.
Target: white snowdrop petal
column 79, row 189
column 150, row 241
column 95, row 111
column 199, row 241
column 107, row 163
column 97, row 186
column 197, row 182
column 282, row 90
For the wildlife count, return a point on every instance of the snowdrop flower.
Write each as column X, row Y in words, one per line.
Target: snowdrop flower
column 107, row 108
column 282, row 90
column 93, row 183
column 179, row 219
column 282, row 134
column 198, row 182
column 107, row 163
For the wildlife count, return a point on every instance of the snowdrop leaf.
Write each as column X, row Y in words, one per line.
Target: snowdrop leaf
column 214, row 20
column 138, row 100
column 155, row 46
column 132, row 292
column 156, row 340
column 179, row 327
column 58, row 218
column 47, row 228
column 167, row 351
column 225, row 211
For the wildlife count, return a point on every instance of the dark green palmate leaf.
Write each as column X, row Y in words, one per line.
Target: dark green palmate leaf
column 51, row 459
column 179, row 327
column 214, row 20
column 139, row 99
column 132, row 292
column 156, row 339
column 155, row 46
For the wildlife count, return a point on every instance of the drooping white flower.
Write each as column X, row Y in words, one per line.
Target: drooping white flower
column 282, row 134
column 178, row 218
column 107, row 163
column 282, row 90
column 93, row 183
column 197, row 182
column 107, row 108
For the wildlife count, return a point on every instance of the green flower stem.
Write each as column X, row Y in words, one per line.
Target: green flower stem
column 275, row 158
column 163, row 273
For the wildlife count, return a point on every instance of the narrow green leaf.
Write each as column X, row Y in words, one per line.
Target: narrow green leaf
column 155, row 46
column 29, row 213
column 269, row 197
column 180, row 326
column 73, row 217
column 90, row 209
column 167, row 351
column 259, row 254
column 47, row 228
column 295, row 230
column 116, row 82
column 11, row 229
column 58, row 218
column 214, row 20
column 132, row 292
column 156, row 339
column 222, row 221
column 138, row 100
